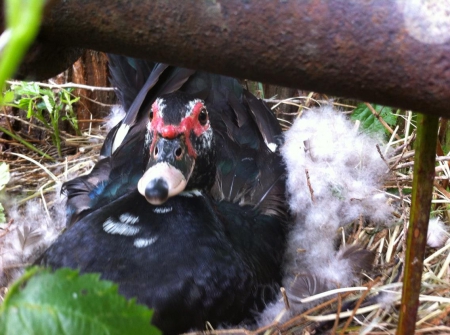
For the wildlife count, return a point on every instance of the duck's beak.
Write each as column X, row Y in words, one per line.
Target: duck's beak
column 168, row 171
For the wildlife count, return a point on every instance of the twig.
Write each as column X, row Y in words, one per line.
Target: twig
column 311, row 190
column 338, row 312
column 403, row 154
column 358, row 303
column 410, row 164
column 381, row 155
column 67, row 85
column 377, row 115
column 295, row 319
column 96, row 102
column 26, row 122
column 38, row 164
column 7, row 120
column 285, row 298
column 91, row 120
column 25, row 143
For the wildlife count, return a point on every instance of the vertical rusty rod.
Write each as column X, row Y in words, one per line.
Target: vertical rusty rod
column 424, row 165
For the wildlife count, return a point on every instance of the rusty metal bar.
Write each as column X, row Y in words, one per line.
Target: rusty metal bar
column 392, row 52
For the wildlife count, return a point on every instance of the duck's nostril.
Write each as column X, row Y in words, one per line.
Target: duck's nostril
column 155, row 152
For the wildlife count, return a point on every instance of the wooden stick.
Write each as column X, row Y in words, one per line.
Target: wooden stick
column 420, row 213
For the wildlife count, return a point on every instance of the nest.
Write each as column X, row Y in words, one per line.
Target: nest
column 373, row 307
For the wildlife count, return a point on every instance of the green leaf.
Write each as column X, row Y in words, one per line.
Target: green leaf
column 64, row 302
column 370, row 123
column 46, row 91
column 8, row 97
column 30, row 109
column 27, row 89
column 4, row 175
column 21, row 21
column 23, row 103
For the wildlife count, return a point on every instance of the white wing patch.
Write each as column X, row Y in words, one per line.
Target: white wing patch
column 162, row 210
column 120, row 136
column 125, row 226
column 144, row 242
column 122, row 227
column 128, row 218
column 272, row 146
column 191, row 193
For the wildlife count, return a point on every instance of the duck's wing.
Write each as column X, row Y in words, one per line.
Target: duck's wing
column 81, row 190
column 249, row 167
column 111, row 177
column 269, row 191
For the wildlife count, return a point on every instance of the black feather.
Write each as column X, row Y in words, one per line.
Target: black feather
column 128, row 76
column 266, row 121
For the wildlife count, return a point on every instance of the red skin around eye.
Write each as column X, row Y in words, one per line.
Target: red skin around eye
column 170, row 131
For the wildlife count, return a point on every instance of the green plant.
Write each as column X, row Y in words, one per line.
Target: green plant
column 64, row 302
column 22, row 18
column 49, row 106
column 370, row 122
column 256, row 88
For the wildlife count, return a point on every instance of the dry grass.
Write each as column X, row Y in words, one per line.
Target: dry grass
column 35, row 185
column 31, row 175
column 370, row 309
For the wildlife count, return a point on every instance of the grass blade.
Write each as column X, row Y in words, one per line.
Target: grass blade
column 25, row 143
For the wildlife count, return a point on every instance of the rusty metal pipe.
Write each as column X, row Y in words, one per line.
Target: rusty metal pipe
column 391, row 52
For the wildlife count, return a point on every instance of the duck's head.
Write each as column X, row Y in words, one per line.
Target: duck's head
column 179, row 148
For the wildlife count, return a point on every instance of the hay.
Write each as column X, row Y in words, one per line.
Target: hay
column 34, row 208
column 371, row 308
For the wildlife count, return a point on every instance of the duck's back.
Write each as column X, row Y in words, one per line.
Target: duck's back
column 188, row 271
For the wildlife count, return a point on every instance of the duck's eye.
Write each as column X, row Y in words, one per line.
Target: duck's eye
column 178, row 153
column 151, row 116
column 203, row 116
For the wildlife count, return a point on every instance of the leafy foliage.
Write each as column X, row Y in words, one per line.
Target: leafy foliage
column 47, row 105
column 64, row 302
column 369, row 122
column 22, row 25
column 22, row 20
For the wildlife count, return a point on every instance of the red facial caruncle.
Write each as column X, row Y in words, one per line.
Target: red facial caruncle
column 196, row 120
